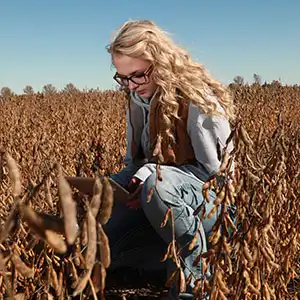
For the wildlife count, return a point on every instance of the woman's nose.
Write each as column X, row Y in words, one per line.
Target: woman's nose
column 132, row 85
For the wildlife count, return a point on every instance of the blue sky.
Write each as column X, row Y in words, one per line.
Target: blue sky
column 64, row 41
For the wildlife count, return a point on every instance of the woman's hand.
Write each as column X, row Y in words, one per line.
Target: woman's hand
column 135, row 188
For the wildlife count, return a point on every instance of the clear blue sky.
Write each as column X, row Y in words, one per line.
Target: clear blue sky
column 64, row 41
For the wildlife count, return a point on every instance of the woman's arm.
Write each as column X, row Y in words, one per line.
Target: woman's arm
column 205, row 132
column 124, row 176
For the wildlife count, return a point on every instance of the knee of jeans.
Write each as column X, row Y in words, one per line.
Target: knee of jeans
column 147, row 186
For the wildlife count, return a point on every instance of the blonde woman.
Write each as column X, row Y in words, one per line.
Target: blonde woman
column 177, row 114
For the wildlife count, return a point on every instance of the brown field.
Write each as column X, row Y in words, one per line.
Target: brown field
column 44, row 137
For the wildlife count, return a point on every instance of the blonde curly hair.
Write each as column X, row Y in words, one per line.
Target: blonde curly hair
column 175, row 74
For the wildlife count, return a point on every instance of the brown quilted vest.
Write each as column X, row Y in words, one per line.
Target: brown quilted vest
column 178, row 153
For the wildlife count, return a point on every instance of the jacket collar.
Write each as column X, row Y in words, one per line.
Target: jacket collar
column 139, row 100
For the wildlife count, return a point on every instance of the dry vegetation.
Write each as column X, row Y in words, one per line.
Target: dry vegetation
column 49, row 232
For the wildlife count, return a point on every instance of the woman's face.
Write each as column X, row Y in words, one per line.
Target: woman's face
column 138, row 70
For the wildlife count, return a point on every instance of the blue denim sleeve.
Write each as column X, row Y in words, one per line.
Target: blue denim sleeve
column 124, row 176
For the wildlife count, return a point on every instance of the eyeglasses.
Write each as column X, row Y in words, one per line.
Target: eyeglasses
column 137, row 79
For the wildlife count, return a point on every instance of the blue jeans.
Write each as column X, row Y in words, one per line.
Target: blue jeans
column 136, row 237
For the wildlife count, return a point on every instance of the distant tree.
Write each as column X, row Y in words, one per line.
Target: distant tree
column 238, row 80
column 276, row 83
column 6, row 92
column 49, row 89
column 28, row 90
column 70, row 88
column 257, row 79
column 120, row 88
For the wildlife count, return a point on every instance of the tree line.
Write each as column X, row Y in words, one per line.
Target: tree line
column 70, row 88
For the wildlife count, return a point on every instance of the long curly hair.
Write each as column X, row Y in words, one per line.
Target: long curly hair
column 175, row 73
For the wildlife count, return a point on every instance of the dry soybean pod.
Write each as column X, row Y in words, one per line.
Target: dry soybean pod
column 96, row 199
column 10, row 221
column 194, row 240
column 220, row 295
column 101, row 279
column 51, row 222
column 171, row 278
column 106, row 201
column 182, row 281
column 14, row 174
column 222, row 284
column 79, row 260
column 168, row 253
column 33, row 220
column 73, row 271
column 55, row 241
column 68, row 207
column 46, row 296
column 247, row 252
column 48, row 193
column 21, row 267
column 166, row 217
column 82, row 282
column 84, row 234
column 224, row 163
column 20, row 296
column 36, row 223
column 54, row 279
column 60, row 281
column 103, row 247
column 215, row 236
column 213, row 210
column 245, row 136
column 197, row 285
column 90, row 256
column 226, row 246
column 220, row 196
column 96, row 276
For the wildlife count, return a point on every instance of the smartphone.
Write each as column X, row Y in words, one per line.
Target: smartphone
column 86, row 185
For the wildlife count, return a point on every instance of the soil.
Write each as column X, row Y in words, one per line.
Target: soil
column 135, row 285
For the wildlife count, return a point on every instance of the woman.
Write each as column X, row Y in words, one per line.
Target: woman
column 177, row 114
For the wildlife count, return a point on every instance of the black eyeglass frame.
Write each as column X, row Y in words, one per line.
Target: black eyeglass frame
column 120, row 79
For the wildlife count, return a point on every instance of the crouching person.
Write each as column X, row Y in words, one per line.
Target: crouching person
column 177, row 114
